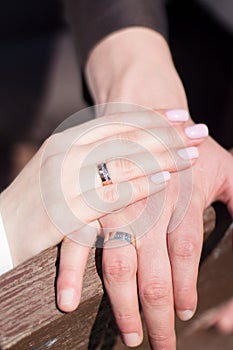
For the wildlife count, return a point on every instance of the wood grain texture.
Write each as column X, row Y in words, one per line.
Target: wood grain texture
column 27, row 300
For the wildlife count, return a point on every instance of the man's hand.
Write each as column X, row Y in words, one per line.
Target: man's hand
column 168, row 254
column 134, row 65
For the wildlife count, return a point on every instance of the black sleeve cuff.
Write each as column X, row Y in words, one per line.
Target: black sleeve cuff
column 92, row 20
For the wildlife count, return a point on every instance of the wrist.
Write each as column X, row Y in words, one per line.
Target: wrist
column 135, row 66
column 6, row 263
column 18, row 203
column 27, row 225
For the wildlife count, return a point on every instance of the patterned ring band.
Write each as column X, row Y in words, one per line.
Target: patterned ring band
column 121, row 236
column 104, row 174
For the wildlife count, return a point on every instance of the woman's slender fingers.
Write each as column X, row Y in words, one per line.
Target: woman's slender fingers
column 119, row 273
column 155, row 139
column 137, row 165
column 99, row 202
column 115, row 123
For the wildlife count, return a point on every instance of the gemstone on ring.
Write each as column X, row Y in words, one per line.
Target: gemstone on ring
column 104, row 174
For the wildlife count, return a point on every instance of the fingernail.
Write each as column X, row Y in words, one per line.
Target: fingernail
column 197, row 131
column 160, row 177
column 66, row 297
column 185, row 315
column 131, row 339
column 188, row 153
column 177, row 115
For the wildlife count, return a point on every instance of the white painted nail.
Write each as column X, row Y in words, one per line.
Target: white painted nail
column 197, row 131
column 177, row 115
column 131, row 339
column 185, row 315
column 160, row 177
column 188, row 153
column 66, row 297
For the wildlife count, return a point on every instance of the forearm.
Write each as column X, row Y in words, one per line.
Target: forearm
column 135, row 65
column 28, row 227
column 123, row 50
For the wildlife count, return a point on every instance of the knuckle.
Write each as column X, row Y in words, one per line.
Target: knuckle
column 185, row 249
column 51, row 162
column 119, row 270
column 67, row 276
column 129, row 137
column 162, row 340
column 156, row 293
column 159, row 338
column 171, row 137
column 176, row 137
column 110, row 194
column 140, row 188
column 124, row 165
column 184, row 299
column 124, row 320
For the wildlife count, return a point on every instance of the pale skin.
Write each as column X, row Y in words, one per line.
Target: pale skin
column 35, row 202
column 165, row 266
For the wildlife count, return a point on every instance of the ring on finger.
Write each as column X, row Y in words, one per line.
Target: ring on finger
column 120, row 236
column 104, row 174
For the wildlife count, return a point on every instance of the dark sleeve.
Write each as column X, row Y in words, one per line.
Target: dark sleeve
column 92, row 20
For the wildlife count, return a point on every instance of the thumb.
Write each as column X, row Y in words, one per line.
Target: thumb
column 227, row 196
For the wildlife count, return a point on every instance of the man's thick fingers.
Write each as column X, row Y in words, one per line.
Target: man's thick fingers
column 184, row 245
column 119, row 273
column 155, row 288
column 73, row 259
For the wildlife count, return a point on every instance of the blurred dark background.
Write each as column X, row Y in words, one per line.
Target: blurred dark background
column 40, row 82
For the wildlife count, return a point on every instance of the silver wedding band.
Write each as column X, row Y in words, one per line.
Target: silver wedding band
column 121, row 236
column 104, row 174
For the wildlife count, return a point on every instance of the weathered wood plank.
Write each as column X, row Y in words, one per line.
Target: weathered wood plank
column 27, row 300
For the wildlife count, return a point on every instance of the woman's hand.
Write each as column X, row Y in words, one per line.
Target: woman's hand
column 59, row 193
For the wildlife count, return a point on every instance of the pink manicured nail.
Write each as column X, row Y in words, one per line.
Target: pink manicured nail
column 131, row 339
column 177, row 115
column 160, row 178
column 66, row 297
column 188, row 153
column 197, row 131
